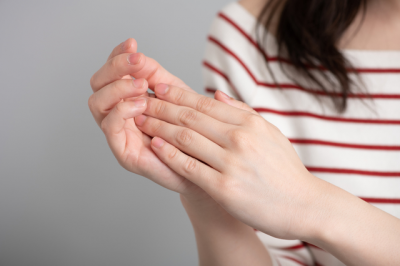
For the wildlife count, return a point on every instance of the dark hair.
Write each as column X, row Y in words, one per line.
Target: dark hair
column 308, row 33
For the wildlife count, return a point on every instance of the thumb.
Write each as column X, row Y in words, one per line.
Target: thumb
column 222, row 97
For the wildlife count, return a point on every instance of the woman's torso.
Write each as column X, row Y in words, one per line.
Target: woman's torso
column 358, row 150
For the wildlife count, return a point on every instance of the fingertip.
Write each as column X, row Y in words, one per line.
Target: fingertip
column 221, row 96
column 140, row 102
column 140, row 119
column 130, row 45
column 157, row 142
column 139, row 83
column 161, row 89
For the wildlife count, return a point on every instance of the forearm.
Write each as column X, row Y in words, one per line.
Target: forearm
column 358, row 233
column 223, row 240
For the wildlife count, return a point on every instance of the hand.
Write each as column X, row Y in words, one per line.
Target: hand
column 116, row 101
column 237, row 157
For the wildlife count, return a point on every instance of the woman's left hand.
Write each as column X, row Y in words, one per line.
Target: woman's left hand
column 245, row 163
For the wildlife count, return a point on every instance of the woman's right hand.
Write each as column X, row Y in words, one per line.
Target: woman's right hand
column 117, row 98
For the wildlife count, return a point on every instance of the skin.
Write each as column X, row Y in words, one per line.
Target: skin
column 226, row 192
column 113, row 106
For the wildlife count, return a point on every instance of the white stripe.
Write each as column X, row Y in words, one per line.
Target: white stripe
column 354, row 133
column 349, row 158
column 294, row 100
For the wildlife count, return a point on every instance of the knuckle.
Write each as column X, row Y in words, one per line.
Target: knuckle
column 185, row 137
column 244, row 106
column 238, row 137
column 204, row 104
column 187, row 117
column 252, row 119
column 155, row 126
column 113, row 62
column 173, row 154
column 190, row 165
column 159, row 108
column 179, row 96
column 120, row 87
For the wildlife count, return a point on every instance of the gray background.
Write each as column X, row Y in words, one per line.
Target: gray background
column 64, row 200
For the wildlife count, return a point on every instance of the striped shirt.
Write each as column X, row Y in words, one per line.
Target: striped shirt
column 358, row 150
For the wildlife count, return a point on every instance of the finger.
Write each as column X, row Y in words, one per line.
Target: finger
column 186, row 166
column 102, row 101
column 151, row 70
column 184, row 139
column 154, row 73
column 113, row 124
column 222, row 97
column 206, row 126
column 116, row 68
column 211, row 107
column 128, row 46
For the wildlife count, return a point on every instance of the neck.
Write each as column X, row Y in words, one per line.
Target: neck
column 391, row 6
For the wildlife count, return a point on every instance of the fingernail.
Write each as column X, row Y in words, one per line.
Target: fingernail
column 224, row 95
column 134, row 59
column 157, row 142
column 138, row 83
column 139, row 120
column 161, row 89
column 140, row 102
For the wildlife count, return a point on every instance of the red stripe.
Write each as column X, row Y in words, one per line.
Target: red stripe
column 280, row 59
column 289, row 86
column 345, row 145
column 329, row 118
column 378, row 70
column 223, row 75
column 380, row 200
column 311, row 245
column 209, row 90
column 299, row 246
column 352, row 171
column 254, row 43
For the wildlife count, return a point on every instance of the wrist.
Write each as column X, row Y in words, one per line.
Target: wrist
column 205, row 212
column 327, row 208
column 334, row 214
column 356, row 232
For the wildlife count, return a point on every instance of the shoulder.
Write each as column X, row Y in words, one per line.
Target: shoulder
column 254, row 7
